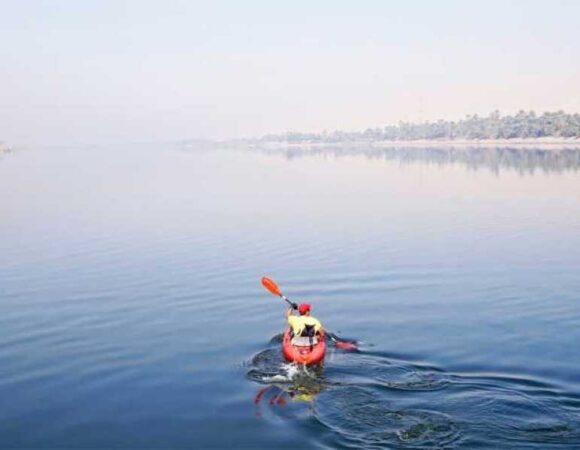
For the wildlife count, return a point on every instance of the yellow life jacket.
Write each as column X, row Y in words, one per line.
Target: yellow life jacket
column 299, row 323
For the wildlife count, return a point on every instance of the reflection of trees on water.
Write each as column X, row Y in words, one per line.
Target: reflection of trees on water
column 522, row 160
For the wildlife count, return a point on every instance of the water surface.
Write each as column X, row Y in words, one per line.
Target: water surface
column 132, row 314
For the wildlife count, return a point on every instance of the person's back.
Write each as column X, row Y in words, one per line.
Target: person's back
column 305, row 328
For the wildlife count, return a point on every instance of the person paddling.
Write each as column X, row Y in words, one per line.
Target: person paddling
column 305, row 328
column 305, row 324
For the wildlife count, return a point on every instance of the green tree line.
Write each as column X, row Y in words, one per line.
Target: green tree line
column 521, row 125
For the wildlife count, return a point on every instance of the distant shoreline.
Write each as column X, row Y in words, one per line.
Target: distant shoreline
column 522, row 130
column 548, row 143
column 544, row 142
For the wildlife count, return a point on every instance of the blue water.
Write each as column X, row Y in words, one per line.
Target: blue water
column 131, row 313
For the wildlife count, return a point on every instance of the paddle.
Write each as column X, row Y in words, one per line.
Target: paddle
column 273, row 288
column 343, row 345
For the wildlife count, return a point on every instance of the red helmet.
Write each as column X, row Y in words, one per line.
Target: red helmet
column 304, row 308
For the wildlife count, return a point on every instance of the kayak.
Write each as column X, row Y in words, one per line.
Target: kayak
column 307, row 355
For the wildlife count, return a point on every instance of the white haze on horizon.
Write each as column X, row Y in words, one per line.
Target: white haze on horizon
column 101, row 71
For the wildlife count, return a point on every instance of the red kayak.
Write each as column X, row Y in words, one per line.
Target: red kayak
column 308, row 355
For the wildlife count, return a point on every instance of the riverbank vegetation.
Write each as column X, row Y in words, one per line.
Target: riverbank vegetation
column 523, row 125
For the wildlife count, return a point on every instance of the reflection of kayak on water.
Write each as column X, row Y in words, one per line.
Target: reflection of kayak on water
column 311, row 353
column 296, row 393
column 295, row 383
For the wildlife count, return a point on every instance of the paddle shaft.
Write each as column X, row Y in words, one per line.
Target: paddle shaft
column 286, row 299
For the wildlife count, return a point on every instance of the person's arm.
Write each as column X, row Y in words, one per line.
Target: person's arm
column 293, row 307
column 320, row 329
column 291, row 320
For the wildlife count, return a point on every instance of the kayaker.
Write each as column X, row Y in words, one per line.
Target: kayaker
column 305, row 328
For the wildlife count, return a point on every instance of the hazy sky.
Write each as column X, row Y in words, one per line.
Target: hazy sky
column 95, row 71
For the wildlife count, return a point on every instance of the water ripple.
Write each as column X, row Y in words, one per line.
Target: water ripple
column 364, row 420
column 384, row 372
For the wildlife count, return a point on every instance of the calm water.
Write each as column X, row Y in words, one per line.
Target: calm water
column 131, row 314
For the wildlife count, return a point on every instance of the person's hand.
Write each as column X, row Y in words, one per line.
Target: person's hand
column 294, row 306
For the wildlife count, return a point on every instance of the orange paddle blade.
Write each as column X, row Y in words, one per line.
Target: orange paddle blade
column 271, row 286
column 348, row 346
